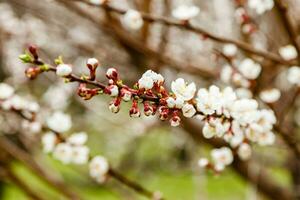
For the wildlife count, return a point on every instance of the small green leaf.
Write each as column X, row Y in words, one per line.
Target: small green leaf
column 26, row 58
column 59, row 60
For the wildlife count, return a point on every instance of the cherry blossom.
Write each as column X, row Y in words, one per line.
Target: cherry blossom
column 63, row 70
column 288, row 52
column 132, row 20
column 6, row 91
column 183, row 90
column 185, row 12
column 270, row 95
column 59, row 122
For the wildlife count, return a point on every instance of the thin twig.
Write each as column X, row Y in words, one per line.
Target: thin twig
column 188, row 26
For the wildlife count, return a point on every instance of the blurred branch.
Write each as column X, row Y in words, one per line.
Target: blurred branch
column 25, row 158
column 131, row 42
column 264, row 183
column 20, row 184
column 282, row 7
column 134, row 185
column 188, row 26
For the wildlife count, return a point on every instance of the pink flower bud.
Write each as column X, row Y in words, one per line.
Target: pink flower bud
column 148, row 109
column 163, row 112
column 112, row 90
column 175, row 121
column 112, row 73
column 134, row 110
column 114, row 106
column 33, row 50
column 85, row 92
column 92, row 63
column 32, row 72
column 126, row 94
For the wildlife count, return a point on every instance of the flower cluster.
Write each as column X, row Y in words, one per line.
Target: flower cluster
column 240, row 73
column 238, row 121
column 261, row 6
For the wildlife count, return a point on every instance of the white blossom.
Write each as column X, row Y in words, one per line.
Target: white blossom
column 77, row 138
column 98, row 168
column 171, row 102
column 293, row 75
column 33, row 107
column 80, row 154
column 208, row 101
column 288, row 52
column 226, row 73
column 244, row 151
column 32, row 127
column 185, row 12
column 93, row 62
column 113, row 108
column 132, row 20
column 270, row 95
column 145, row 83
column 230, row 50
column 249, row 68
column 97, row 2
column 203, row 162
column 182, row 90
column 63, row 152
column 243, row 93
column 222, row 156
column 63, row 70
column 261, row 6
column 114, row 90
column 59, row 122
column 49, row 140
column 188, row 110
column 179, row 102
column 266, row 138
column 208, row 131
column 6, row 91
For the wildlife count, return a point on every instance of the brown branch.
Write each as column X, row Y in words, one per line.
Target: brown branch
column 133, row 185
column 138, row 46
column 188, row 26
column 283, row 12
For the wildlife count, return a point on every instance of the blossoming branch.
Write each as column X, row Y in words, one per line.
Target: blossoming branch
column 237, row 121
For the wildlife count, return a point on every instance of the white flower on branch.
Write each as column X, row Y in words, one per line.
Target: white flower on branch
column 49, row 141
column 145, row 83
column 98, row 168
column 222, row 156
column 244, row 151
column 203, row 162
column 63, row 152
column 63, row 70
column 230, row 50
column 188, row 110
column 32, row 127
column 261, row 6
column 293, row 75
column 288, row 52
column 249, row 68
column 266, row 138
column 97, row 2
column 6, row 91
column 270, row 95
column 208, row 101
column 77, row 138
column 59, row 122
column 132, row 20
column 182, row 90
column 80, row 154
column 185, row 12
column 92, row 63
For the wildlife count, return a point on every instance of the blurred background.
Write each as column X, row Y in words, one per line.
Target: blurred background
column 146, row 150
